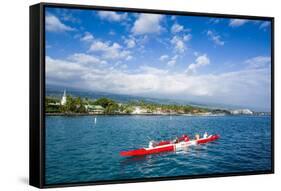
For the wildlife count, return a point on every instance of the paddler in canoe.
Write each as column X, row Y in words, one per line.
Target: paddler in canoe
column 177, row 140
column 167, row 146
column 182, row 138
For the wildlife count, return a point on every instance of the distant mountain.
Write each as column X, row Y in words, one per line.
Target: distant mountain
column 57, row 91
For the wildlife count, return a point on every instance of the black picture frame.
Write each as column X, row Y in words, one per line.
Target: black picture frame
column 37, row 93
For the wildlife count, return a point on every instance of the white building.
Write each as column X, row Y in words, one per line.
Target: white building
column 63, row 99
column 139, row 110
column 241, row 111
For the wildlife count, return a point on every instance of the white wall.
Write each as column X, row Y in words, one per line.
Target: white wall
column 14, row 38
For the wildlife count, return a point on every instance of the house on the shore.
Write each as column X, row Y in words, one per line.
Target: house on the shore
column 241, row 112
column 94, row 109
column 54, row 104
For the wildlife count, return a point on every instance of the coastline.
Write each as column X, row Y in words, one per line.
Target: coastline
column 77, row 106
column 140, row 114
column 147, row 114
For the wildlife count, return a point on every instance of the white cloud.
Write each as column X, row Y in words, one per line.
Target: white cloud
column 215, row 38
column 103, row 46
column 214, row 20
column 152, row 70
column 124, row 66
column 173, row 18
column 178, row 40
column 172, row 61
column 178, row 43
column 176, row 28
column 147, row 24
column 66, row 15
column 187, row 37
column 258, row 62
column 88, row 37
column 129, row 57
column 85, row 59
column 53, row 24
column 163, row 57
column 264, row 24
column 63, row 70
column 196, row 53
column 237, row 22
column 111, row 32
column 249, row 86
column 131, row 43
column 199, row 62
column 110, row 50
column 112, row 16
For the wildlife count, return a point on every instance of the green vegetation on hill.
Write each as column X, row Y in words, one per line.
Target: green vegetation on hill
column 105, row 105
column 171, row 108
column 73, row 105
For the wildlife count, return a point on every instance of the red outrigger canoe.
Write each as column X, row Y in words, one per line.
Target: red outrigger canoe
column 166, row 146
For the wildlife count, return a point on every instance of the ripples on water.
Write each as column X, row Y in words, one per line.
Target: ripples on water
column 78, row 150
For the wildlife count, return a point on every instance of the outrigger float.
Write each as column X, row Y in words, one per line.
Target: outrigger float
column 168, row 146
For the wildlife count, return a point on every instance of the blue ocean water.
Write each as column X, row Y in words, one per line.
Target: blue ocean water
column 80, row 150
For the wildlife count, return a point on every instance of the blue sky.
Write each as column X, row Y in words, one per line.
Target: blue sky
column 200, row 59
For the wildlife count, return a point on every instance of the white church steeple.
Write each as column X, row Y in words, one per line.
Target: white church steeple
column 63, row 99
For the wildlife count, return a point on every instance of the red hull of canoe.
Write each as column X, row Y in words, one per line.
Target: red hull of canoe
column 162, row 148
column 140, row 152
column 209, row 139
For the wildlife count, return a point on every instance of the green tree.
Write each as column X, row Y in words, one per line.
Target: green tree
column 110, row 106
column 79, row 105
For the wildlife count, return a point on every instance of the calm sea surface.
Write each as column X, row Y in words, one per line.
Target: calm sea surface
column 80, row 150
